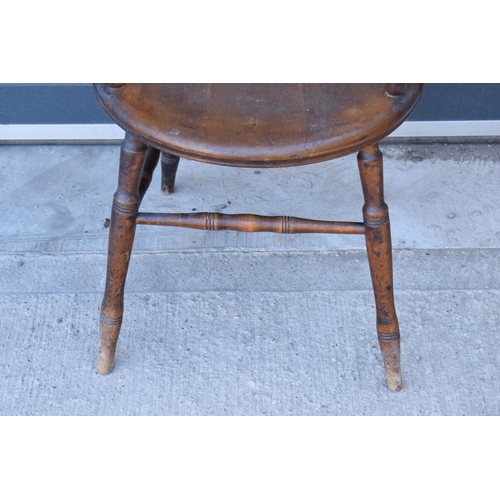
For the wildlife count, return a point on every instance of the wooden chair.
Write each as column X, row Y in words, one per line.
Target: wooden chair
column 253, row 125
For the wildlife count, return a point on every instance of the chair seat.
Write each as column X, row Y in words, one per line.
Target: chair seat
column 265, row 125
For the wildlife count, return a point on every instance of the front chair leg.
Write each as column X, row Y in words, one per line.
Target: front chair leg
column 379, row 247
column 126, row 203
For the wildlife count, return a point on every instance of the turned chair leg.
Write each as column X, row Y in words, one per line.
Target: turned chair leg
column 126, row 203
column 379, row 248
column 169, row 164
column 150, row 163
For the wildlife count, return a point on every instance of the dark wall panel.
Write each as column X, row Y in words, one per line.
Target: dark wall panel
column 458, row 101
column 49, row 104
column 76, row 103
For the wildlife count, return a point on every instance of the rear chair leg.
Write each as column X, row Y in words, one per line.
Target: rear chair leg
column 169, row 164
column 126, row 203
column 379, row 248
column 150, row 163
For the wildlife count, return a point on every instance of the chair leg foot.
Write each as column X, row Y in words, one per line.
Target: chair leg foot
column 104, row 364
column 392, row 364
column 110, row 329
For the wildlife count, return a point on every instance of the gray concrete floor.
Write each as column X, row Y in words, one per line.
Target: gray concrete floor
column 227, row 323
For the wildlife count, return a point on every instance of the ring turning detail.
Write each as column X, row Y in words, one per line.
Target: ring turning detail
column 213, row 221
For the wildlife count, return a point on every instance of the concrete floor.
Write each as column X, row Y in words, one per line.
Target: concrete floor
column 228, row 323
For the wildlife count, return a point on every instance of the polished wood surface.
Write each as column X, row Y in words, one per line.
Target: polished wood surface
column 122, row 226
column 269, row 125
column 254, row 124
column 250, row 223
column 379, row 249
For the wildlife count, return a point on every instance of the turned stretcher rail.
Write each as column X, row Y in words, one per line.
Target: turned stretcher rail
column 213, row 221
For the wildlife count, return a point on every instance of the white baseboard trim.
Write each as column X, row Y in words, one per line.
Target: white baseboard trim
column 476, row 128
column 109, row 133
column 63, row 133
